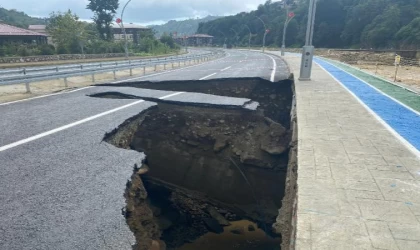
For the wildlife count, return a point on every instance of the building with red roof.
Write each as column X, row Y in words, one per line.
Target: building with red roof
column 10, row 34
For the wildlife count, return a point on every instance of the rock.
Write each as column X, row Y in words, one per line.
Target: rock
column 193, row 143
column 143, row 170
column 273, row 148
column 251, row 228
column 277, row 130
column 217, row 216
column 237, row 230
column 251, row 159
column 220, row 144
column 213, row 225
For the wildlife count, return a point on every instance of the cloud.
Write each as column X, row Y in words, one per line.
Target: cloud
column 141, row 11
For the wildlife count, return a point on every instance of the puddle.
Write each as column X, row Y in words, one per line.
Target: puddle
column 246, row 240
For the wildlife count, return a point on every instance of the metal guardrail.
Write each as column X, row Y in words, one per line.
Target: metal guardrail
column 28, row 75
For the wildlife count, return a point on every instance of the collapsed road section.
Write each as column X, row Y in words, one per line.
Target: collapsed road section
column 215, row 176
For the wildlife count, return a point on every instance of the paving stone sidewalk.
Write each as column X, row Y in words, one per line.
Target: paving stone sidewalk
column 358, row 185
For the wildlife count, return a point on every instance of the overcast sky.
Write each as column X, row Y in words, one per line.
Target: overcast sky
column 140, row 11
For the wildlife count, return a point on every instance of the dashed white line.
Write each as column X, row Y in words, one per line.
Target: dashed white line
column 53, row 131
column 226, row 68
column 207, row 76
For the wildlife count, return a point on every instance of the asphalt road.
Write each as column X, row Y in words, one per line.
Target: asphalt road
column 61, row 186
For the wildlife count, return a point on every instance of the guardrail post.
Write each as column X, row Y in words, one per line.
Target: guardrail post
column 66, row 84
column 164, row 66
column 144, row 70
column 115, row 75
column 28, row 89
column 100, row 65
column 155, row 67
column 179, row 63
column 131, row 71
column 24, row 71
column 81, row 66
column 172, row 64
column 56, row 69
column 93, row 77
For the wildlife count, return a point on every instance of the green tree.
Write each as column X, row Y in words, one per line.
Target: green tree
column 168, row 40
column 104, row 11
column 409, row 35
column 381, row 31
column 67, row 31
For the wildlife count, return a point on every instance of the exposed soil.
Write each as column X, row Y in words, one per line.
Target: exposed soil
column 207, row 167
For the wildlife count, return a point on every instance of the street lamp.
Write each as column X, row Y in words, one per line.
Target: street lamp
column 265, row 32
column 289, row 17
column 250, row 34
column 236, row 34
column 308, row 49
column 123, row 29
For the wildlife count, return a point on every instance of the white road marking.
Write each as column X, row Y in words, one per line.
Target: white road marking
column 226, row 68
column 377, row 117
column 207, row 76
column 273, row 73
column 53, row 131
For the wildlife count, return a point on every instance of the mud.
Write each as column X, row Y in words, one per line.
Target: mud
column 210, row 166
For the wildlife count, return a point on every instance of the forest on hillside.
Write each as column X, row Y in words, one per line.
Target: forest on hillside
column 18, row 18
column 379, row 24
column 184, row 27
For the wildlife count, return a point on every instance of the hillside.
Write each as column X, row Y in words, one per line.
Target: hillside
column 385, row 24
column 185, row 27
column 17, row 18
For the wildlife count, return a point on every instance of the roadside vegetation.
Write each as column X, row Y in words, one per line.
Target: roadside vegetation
column 377, row 24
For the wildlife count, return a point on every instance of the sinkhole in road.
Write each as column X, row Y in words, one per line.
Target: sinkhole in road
column 214, row 176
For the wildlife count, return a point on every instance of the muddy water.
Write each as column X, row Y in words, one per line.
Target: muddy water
column 247, row 240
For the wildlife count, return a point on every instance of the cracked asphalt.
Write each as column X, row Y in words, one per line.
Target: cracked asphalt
column 61, row 186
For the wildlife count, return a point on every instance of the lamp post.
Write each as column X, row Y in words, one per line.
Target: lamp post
column 289, row 17
column 236, row 34
column 123, row 29
column 265, row 32
column 250, row 34
column 308, row 49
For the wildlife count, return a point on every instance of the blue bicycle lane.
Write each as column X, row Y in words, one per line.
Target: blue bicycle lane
column 405, row 121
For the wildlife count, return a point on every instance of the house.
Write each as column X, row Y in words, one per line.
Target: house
column 41, row 29
column 10, row 34
column 195, row 40
column 134, row 32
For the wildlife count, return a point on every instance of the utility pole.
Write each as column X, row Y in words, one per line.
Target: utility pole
column 308, row 49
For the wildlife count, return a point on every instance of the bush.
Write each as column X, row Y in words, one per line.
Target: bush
column 23, row 51
column 2, row 51
column 46, row 49
column 62, row 50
